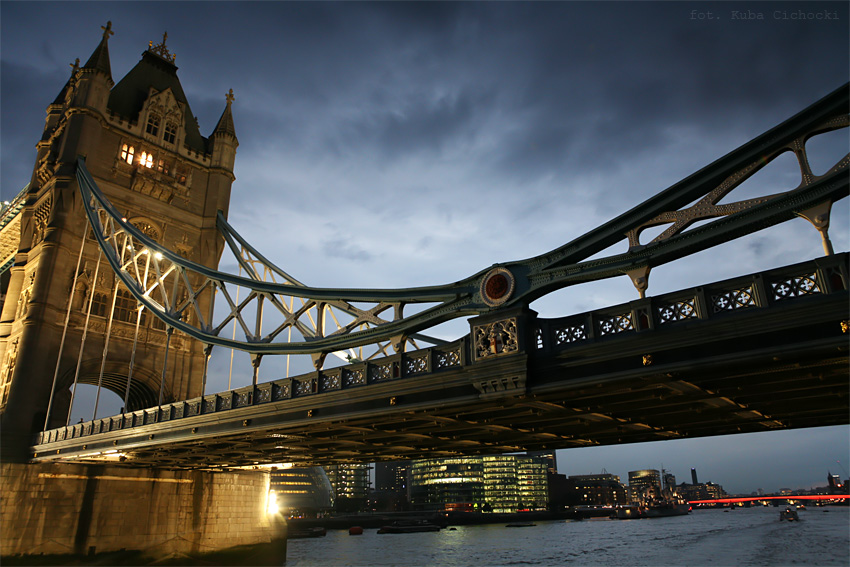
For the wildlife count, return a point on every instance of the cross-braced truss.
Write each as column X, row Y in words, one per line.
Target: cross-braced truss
column 280, row 315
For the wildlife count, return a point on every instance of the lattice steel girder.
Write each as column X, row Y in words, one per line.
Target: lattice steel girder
column 180, row 284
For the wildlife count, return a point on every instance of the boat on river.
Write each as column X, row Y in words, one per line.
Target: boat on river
column 790, row 514
column 316, row 531
column 409, row 527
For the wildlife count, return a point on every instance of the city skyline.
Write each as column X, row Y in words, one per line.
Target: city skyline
column 406, row 144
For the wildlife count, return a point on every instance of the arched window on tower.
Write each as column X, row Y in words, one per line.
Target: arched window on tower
column 153, row 124
column 146, row 159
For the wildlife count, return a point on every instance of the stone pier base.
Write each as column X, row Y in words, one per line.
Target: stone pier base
column 57, row 509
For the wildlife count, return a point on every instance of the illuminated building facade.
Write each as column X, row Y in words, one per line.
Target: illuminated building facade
column 597, row 489
column 495, row 483
column 350, row 482
column 643, row 484
column 301, row 491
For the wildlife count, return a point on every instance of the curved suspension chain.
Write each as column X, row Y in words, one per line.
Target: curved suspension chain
column 181, row 292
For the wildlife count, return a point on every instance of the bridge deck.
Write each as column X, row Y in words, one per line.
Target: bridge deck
column 758, row 353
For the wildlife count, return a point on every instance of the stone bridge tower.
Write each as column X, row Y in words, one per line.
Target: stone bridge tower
column 143, row 147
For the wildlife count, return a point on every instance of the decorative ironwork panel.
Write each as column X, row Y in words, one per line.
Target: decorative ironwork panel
column 225, row 402
column 496, row 338
column 178, row 410
column 165, row 414
column 538, row 338
column 87, row 429
column 416, row 365
column 150, row 417
column 677, row 311
column 242, row 399
column 382, row 371
column 330, row 382
column 734, row 299
column 209, row 405
column 193, row 408
column 615, row 324
column 264, row 395
column 353, row 377
column 570, row 334
column 282, row 391
column 796, row 286
column 61, row 435
column 447, row 359
column 303, row 387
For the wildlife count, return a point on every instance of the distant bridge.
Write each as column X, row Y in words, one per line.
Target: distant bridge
column 761, row 352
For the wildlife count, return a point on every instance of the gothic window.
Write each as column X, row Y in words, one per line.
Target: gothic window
column 153, row 124
column 181, row 178
column 147, row 229
column 126, row 307
column 170, row 132
column 162, row 166
column 127, row 152
column 146, row 159
column 98, row 304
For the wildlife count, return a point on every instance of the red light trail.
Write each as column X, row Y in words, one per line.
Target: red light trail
column 760, row 498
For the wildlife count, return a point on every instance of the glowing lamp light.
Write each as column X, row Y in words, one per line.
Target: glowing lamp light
column 272, row 508
column 157, row 255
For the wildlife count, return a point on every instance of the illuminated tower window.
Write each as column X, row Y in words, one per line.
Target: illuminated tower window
column 153, row 125
column 146, row 159
column 127, row 153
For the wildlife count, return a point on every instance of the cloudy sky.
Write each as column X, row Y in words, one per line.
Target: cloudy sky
column 406, row 144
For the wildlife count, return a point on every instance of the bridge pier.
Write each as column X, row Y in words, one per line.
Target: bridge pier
column 83, row 509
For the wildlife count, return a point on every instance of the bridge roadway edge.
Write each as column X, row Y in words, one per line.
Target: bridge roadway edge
column 87, row 510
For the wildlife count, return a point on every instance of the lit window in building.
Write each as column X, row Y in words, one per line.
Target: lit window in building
column 146, row 159
column 153, row 124
column 170, row 132
column 127, row 153
column 162, row 166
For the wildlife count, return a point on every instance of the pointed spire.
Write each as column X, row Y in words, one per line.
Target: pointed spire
column 99, row 59
column 225, row 123
column 60, row 98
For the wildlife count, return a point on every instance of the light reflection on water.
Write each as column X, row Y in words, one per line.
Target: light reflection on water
column 745, row 536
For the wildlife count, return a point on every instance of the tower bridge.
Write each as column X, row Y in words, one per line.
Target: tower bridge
column 111, row 278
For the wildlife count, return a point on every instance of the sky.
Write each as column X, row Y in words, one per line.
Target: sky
column 406, row 144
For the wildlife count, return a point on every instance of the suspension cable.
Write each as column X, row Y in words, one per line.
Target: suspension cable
column 108, row 334
column 65, row 326
column 85, row 333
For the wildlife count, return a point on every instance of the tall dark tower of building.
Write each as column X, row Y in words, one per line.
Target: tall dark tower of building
column 694, row 476
column 143, row 147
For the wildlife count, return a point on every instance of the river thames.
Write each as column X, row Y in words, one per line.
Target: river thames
column 743, row 536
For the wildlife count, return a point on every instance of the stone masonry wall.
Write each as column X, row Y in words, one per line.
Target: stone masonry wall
column 74, row 508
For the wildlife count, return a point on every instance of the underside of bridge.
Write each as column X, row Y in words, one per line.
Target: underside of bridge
column 743, row 371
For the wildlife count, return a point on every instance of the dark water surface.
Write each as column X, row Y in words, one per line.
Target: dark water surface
column 744, row 536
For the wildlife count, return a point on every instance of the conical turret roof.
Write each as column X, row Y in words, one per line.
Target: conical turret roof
column 225, row 123
column 99, row 59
